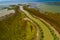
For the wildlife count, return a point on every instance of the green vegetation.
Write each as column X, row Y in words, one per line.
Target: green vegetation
column 15, row 27
column 10, row 28
column 43, row 26
column 52, row 18
column 56, row 18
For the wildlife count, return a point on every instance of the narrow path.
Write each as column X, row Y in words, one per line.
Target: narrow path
column 36, row 27
column 46, row 31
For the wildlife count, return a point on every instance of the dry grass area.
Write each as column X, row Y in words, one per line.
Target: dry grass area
column 53, row 19
column 56, row 17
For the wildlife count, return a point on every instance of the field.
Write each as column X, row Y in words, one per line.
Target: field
column 28, row 24
column 52, row 18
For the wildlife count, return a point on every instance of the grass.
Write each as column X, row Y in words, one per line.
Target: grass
column 53, row 19
column 30, row 31
column 56, row 16
column 13, row 27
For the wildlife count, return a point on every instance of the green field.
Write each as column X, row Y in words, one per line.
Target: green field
column 26, row 24
column 52, row 18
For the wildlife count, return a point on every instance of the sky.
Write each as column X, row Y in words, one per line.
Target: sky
column 33, row 0
column 3, row 2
